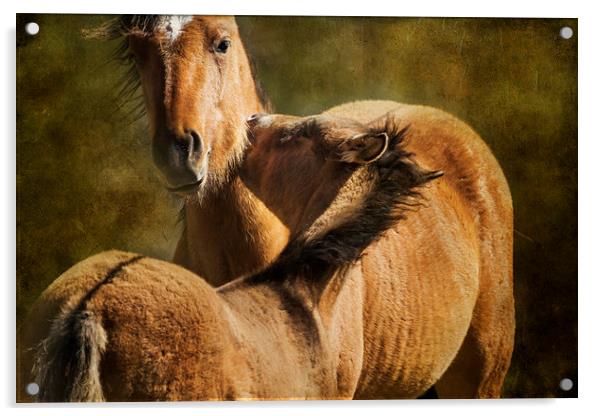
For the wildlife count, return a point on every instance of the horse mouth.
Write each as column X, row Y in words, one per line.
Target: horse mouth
column 188, row 188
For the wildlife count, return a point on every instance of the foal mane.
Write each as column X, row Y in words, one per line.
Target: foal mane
column 396, row 181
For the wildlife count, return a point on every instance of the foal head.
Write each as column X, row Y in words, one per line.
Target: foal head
column 317, row 172
column 198, row 88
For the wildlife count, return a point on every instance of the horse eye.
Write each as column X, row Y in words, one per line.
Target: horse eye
column 223, row 46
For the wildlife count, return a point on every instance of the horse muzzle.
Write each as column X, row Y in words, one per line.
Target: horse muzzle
column 181, row 160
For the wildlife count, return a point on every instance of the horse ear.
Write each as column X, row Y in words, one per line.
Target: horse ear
column 364, row 148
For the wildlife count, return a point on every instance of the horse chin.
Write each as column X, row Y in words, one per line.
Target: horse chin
column 187, row 189
column 191, row 188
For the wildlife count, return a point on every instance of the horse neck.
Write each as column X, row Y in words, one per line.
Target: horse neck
column 229, row 234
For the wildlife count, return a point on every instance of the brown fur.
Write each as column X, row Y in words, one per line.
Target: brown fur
column 171, row 336
column 166, row 335
column 222, row 217
column 187, row 86
column 444, row 272
column 438, row 286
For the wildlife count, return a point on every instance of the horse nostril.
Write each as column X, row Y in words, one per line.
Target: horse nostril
column 196, row 145
column 179, row 156
column 188, row 147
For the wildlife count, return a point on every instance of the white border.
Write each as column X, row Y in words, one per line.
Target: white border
column 507, row 8
column 590, row 205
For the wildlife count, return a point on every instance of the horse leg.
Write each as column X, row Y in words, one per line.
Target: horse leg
column 480, row 366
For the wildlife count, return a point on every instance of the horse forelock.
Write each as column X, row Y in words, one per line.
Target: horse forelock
column 126, row 24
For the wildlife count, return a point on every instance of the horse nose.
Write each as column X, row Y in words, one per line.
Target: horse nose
column 180, row 157
column 193, row 146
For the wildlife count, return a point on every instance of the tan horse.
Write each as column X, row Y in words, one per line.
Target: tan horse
column 125, row 327
column 198, row 90
column 438, row 299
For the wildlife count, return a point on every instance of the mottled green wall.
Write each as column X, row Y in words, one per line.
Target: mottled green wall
column 85, row 181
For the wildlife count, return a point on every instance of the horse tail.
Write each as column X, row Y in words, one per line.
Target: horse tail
column 67, row 362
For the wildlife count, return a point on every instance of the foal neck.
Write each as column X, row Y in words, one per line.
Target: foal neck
column 231, row 234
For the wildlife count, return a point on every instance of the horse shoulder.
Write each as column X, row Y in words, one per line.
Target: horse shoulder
column 421, row 284
column 427, row 273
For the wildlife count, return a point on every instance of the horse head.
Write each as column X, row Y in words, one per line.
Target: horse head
column 198, row 88
column 317, row 169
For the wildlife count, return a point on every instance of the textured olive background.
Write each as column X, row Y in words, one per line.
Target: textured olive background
column 85, row 181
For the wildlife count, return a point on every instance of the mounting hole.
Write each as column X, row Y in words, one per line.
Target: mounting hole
column 566, row 384
column 32, row 28
column 32, row 389
column 566, row 32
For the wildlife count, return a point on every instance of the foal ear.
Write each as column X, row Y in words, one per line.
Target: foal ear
column 364, row 148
